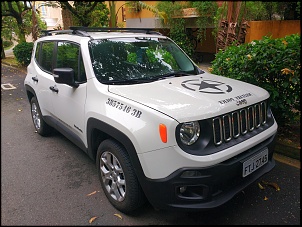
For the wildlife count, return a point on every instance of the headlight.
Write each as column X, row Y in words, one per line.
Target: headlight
column 189, row 132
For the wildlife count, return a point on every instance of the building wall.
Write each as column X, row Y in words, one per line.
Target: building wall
column 52, row 16
column 274, row 28
column 144, row 13
column 141, row 19
column 120, row 8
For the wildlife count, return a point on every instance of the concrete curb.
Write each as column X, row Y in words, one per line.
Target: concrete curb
column 17, row 67
column 290, row 161
column 288, row 150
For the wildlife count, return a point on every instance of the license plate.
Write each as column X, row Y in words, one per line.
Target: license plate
column 255, row 162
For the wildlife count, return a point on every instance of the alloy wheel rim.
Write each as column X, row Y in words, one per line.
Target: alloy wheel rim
column 36, row 116
column 113, row 176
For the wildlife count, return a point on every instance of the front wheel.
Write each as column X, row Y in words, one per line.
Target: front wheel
column 117, row 177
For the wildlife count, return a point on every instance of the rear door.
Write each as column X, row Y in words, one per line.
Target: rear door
column 41, row 76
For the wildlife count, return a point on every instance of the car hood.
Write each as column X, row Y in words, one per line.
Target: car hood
column 193, row 97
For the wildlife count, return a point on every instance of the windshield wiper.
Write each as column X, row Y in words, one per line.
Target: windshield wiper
column 173, row 74
column 146, row 80
column 130, row 81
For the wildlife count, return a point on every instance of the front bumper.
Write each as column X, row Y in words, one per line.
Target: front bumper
column 212, row 187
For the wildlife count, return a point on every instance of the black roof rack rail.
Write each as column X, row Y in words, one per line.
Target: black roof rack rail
column 105, row 29
column 80, row 33
column 56, row 32
column 83, row 31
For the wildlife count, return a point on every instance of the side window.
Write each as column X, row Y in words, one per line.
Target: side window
column 46, row 56
column 69, row 56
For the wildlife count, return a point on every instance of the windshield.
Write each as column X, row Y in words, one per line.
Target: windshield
column 137, row 60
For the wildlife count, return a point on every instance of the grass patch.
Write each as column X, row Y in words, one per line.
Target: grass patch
column 7, row 48
column 10, row 61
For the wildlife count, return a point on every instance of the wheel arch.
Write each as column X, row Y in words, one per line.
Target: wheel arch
column 98, row 130
column 30, row 92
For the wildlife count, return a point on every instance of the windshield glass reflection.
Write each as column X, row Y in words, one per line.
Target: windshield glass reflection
column 137, row 59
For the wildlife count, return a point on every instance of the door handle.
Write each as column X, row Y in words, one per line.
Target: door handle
column 34, row 78
column 53, row 88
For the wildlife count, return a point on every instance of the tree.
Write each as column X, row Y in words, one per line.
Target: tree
column 67, row 18
column 261, row 10
column 34, row 23
column 234, row 16
column 2, row 50
column 17, row 22
column 85, row 13
column 8, row 27
column 17, row 10
column 99, row 16
column 289, row 10
column 112, row 21
column 177, row 25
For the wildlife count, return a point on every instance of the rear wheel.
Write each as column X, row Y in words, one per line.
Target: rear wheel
column 40, row 125
column 117, row 177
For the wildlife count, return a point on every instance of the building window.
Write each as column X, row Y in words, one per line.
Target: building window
column 43, row 11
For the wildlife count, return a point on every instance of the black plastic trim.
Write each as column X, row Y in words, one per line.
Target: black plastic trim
column 58, row 125
column 31, row 90
column 63, row 129
column 220, row 183
column 96, row 124
column 103, row 29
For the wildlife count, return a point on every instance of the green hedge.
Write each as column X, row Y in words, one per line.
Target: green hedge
column 273, row 64
column 7, row 43
column 22, row 52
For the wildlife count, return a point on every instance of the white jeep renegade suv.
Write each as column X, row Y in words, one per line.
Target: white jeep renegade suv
column 159, row 128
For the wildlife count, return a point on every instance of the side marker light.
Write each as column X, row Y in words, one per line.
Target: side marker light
column 163, row 133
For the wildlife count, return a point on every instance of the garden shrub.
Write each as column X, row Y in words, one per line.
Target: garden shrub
column 273, row 64
column 22, row 52
column 7, row 43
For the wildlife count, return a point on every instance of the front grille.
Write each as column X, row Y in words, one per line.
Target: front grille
column 232, row 125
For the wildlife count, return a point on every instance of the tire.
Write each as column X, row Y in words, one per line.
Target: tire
column 40, row 125
column 117, row 177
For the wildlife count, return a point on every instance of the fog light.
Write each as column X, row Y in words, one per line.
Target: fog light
column 182, row 189
column 190, row 173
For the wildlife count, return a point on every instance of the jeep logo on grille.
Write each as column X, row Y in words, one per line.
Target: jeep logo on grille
column 207, row 86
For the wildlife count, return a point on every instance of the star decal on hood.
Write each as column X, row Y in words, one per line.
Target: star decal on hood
column 207, row 86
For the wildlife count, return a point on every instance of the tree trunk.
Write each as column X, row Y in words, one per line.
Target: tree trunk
column 34, row 23
column 21, row 29
column 112, row 22
column 21, row 33
column 2, row 50
column 67, row 18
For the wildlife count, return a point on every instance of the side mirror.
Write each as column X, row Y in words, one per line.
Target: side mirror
column 199, row 70
column 65, row 76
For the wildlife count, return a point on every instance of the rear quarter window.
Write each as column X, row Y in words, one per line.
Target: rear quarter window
column 46, row 56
